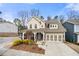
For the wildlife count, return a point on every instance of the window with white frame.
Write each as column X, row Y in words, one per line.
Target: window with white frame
column 30, row 25
column 47, row 37
column 53, row 26
column 51, row 37
column 35, row 26
column 60, row 37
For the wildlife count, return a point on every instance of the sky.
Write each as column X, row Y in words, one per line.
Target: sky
column 10, row 10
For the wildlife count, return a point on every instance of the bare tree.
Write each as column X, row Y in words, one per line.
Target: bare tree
column 23, row 15
column 61, row 18
column 34, row 12
column 49, row 18
column 71, row 14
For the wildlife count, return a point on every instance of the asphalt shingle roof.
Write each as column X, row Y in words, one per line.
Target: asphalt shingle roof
column 73, row 21
column 54, row 21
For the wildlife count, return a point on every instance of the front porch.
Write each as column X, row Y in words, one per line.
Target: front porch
column 36, row 36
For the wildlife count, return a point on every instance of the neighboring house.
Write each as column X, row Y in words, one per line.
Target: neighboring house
column 50, row 30
column 8, row 29
column 72, row 33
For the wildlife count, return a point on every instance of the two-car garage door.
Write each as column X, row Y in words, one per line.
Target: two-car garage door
column 54, row 37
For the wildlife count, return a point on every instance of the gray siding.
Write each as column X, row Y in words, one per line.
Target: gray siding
column 69, row 27
column 70, row 36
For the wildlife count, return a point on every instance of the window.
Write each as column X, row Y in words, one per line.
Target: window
column 51, row 37
column 59, row 37
column 30, row 25
column 50, row 25
column 35, row 25
column 47, row 37
column 41, row 25
column 53, row 26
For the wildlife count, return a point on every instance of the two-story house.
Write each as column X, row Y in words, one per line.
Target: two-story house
column 72, row 27
column 46, row 30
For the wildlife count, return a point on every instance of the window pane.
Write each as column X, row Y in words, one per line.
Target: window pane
column 47, row 37
column 52, row 37
column 59, row 37
column 30, row 25
column 35, row 25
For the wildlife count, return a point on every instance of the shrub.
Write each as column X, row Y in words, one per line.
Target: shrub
column 28, row 41
column 17, row 42
column 25, row 41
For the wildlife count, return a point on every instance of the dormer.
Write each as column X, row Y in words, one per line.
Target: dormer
column 53, row 26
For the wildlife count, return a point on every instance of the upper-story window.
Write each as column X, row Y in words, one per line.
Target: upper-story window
column 53, row 26
column 35, row 25
column 41, row 25
column 48, row 26
column 30, row 25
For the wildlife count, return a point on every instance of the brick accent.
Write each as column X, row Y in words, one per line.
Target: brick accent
column 7, row 34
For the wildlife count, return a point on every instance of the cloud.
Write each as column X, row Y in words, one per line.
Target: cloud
column 8, row 16
column 73, row 6
column 68, row 7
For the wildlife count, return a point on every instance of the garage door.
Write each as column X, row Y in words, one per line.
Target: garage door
column 54, row 37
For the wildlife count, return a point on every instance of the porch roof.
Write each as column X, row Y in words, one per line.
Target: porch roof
column 44, row 30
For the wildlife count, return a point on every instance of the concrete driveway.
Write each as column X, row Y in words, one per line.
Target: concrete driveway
column 4, row 43
column 6, row 39
column 59, row 49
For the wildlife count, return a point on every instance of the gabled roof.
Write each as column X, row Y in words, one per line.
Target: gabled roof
column 7, row 22
column 54, row 21
column 37, row 19
column 73, row 22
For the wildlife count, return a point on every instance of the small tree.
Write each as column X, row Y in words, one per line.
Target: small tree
column 49, row 18
column 41, row 17
column 72, row 14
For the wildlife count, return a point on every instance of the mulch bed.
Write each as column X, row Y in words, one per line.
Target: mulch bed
column 31, row 48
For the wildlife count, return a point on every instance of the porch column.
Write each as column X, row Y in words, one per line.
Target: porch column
column 57, row 37
column 34, row 36
column 43, row 36
column 23, row 35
